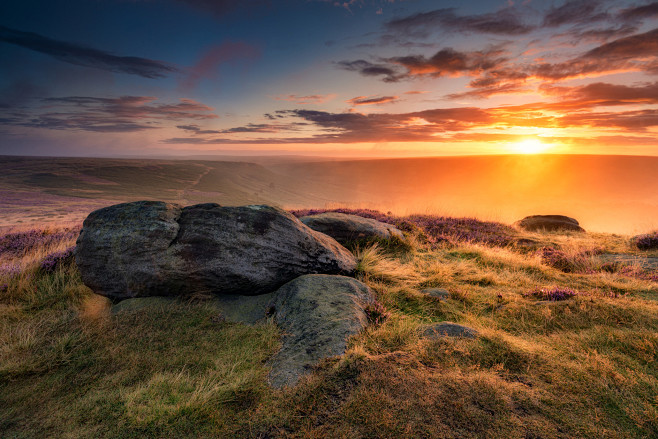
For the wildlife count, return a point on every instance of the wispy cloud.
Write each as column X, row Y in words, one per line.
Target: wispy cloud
column 86, row 56
column 123, row 114
column 207, row 67
column 372, row 100
column 305, row 99
column 503, row 22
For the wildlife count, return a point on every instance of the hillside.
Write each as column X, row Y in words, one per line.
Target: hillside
column 566, row 348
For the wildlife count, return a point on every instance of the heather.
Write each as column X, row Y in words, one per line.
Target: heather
column 567, row 347
column 648, row 241
column 434, row 229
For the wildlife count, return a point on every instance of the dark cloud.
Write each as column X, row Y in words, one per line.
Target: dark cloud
column 387, row 72
column 427, row 125
column 196, row 129
column 86, row 56
column 449, row 61
column 446, row 61
column 575, row 11
column 639, row 12
column 503, row 22
column 372, row 100
column 123, row 114
column 633, row 53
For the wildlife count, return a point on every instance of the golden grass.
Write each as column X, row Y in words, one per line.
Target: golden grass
column 584, row 367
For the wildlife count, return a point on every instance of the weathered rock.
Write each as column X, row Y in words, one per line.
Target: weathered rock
column 151, row 248
column 438, row 293
column 550, row 223
column 242, row 309
column 346, row 228
column 448, row 329
column 230, row 307
column 317, row 313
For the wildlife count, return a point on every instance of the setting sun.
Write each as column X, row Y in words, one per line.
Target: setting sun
column 529, row 146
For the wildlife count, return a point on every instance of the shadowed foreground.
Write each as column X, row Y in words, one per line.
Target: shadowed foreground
column 567, row 324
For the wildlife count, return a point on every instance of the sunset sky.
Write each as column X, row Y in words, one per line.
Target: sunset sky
column 354, row 78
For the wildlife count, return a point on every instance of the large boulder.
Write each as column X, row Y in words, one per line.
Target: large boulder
column 549, row 223
column 346, row 228
column 316, row 313
column 152, row 248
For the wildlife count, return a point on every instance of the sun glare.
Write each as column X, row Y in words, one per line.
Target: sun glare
column 529, row 146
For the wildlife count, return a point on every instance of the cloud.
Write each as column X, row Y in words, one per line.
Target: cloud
column 444, row 62
column 387, row 72
column 372, row 100
column 308, row 99
column 428, row 125
column 640, row 12
column 633, row 53
column 503, row 22
column 122, row 114
column 605, row 94
column 575, row 11
column 208, row 64
column 85, row 56
column 449, row 61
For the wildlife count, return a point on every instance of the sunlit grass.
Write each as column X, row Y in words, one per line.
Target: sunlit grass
column 585, row 366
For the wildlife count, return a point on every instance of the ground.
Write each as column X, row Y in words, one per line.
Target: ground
column 581, row 367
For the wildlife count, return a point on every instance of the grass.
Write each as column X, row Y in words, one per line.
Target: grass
column 583, row 366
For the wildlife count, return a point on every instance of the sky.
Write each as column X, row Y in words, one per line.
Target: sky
column 355, row 78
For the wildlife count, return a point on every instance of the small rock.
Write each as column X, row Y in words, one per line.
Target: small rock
column 439, row 293
column 549, row 223
column 448, row 329
column 346, row 228
column 317, row 314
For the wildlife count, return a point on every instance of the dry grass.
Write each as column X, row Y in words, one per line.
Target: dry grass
column 583, row 367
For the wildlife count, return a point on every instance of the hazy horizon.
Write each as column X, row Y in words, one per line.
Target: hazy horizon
column 617, row 194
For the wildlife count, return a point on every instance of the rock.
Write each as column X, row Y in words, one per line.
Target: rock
column 243, row 309
column 316, row 313
column 550, row 223
column 448, row 329
column 346, row 228
column 152, row 248
column 438, row 293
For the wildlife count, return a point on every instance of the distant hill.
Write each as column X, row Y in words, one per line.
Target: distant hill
column 606, row 193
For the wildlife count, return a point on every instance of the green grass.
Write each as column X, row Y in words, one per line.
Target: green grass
column 584, row 367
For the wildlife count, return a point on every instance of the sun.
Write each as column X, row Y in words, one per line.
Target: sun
column 529, row 146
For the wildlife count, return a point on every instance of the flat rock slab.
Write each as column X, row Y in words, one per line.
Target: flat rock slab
column 437, row 293
column 317, row 314
column 152, row 248
column 231, row 308
column 448, row 329
column 346, row 228
column 550, row 223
